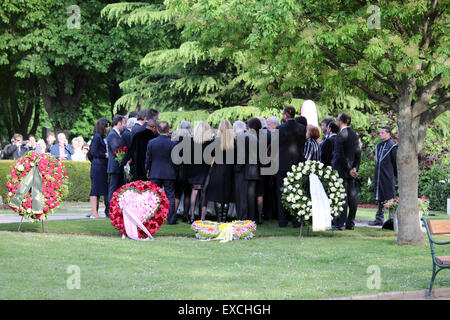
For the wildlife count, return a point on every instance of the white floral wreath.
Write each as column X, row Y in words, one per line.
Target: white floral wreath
column 295, row 198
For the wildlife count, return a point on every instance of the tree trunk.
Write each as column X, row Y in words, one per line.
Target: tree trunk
column 409, row 231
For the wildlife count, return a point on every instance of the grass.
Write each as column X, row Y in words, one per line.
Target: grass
column 276, row 264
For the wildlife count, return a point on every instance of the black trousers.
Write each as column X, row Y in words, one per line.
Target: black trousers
column 116, row 180
column 283, row 215
column 241, row 195
column 270, row 207
column 380, row 212
column 169, row 190
column 350, row 206
column 251, row 201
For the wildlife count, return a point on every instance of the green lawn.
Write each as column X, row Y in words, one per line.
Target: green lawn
column 276, row 264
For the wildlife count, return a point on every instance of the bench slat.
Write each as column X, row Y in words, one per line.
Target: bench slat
column 439, row 226
column 444, row 260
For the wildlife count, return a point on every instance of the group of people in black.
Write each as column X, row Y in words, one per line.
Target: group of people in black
column 222, row 179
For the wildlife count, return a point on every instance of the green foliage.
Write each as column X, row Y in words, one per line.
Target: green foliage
column 434, row 183
column 77, row 171
column 174, row 118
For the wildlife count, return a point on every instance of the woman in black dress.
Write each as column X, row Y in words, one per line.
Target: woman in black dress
column 199, row 169
column 182, row 186
column 99, row 164
column 221, row 180
column 252, row 174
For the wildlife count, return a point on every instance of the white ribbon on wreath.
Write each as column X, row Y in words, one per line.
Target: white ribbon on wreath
column 321, row 210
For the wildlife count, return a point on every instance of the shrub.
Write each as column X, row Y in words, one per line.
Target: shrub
column 77, row 171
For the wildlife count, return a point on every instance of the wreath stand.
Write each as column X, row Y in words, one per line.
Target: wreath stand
column 42, row 226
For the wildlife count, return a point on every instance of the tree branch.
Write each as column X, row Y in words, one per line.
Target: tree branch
column 425, row 95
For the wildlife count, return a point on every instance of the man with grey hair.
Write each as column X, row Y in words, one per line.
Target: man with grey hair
column 126, row 133
column 62, row 150
column 271, row 123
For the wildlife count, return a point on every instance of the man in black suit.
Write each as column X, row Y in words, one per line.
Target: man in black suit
column 114, row 170
column 16, row 149
column 346, row 160
column 138, row 150
column 327, row 146
column 292, row 137
column 160, row 168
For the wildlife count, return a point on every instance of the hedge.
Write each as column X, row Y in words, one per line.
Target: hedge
column 77, row 171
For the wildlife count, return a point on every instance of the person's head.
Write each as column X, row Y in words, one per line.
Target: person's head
column 32, row 140
column 152, row 125
column 62, row 140
column 102, row 127
column 263, row 122
column 312, row 132
column 131, row 122
column 202, row 132
column 153, row 114
column 239, row 127
column 42, row 146
column 344, row 120
column 272, row 123
column 142, row 115
column 302, row 120
column 254, row 124
column 184, row 130
column 118, row 122
column 76, row 143
column 51, row 138
column 332, row 128
column 133, row 114
column 324, row 125
column 385, row 133
column 289, row 113
column 226, row 135
column 85, row 148
column 163, row 128
column 17, row 139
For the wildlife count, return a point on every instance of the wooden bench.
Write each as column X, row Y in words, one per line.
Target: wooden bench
column 435, row 227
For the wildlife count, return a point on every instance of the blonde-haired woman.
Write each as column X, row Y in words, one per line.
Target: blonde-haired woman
column 221, row 180
column 182, row 186
column 199, row 169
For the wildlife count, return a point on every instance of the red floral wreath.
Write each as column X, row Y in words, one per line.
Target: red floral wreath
column 152, row 224
column 54, row 183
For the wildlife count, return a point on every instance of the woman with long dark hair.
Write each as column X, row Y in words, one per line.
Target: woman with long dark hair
column 99, row 163
column 255, row 183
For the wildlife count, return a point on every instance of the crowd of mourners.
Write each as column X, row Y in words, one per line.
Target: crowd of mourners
column 226, row 180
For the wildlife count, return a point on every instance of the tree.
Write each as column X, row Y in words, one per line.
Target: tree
column 178, row 74
column 339, row 46
column 66, row 59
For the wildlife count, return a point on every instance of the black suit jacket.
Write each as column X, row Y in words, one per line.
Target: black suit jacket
column 327, row 150
column 125, row 135
column 138, row 128
column 12, row 151
column 137, row 152
column 114, row 142
column 292, row 137
column 158, row 158
column 347, row 153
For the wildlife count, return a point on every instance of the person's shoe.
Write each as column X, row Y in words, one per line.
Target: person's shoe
column 349, row 227
column 88, row 215
column 375, row 223
column 335, row 228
